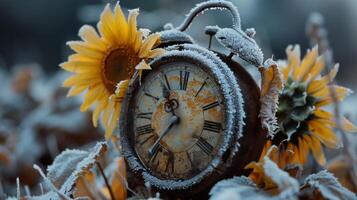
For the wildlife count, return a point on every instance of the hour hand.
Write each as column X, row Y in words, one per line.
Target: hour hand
column 173, row 120
column 165, row 91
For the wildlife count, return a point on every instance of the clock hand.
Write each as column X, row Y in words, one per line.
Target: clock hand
column 173, row 120
column 170, row 104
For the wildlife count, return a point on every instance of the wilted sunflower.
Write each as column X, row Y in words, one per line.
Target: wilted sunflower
column 105, row 61
column 304, row 125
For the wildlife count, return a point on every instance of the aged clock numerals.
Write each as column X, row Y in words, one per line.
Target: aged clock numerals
column 146, row 115
column 152, row 96
column 167, row 82
column 184, row 76
column 212, row 126
column 204, row 145
column 170, row 165
column 199, row 90
column 211, row 105
column 145, row 129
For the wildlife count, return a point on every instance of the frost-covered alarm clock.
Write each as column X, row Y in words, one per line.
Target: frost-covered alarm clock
column 193, row 119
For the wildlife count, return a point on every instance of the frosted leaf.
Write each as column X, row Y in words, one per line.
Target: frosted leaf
column 64, row 165
column 232, row 183
column 287, row 185
column 242, row 188
column 328, row 186
column 241, row 44
column 272, row 85
column 71, row 165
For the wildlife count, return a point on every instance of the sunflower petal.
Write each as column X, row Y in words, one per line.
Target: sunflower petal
column 113, row 121
column 76, row 90
column 156, row 52
column 90, row 97
column 316, row 149
column 107, row 25
column 81, row 66
column 307, row 63
column 325, row 98
column 324, row 133
column 85, row 49
column 81, row 80
column 133, row 14
column 138, row 42
column 293, row 54
column 317, row 85
column 317, row 68
column 121, row 22
column 90, row 35
column 98, row 110
column 148, row 45
column 348, row 126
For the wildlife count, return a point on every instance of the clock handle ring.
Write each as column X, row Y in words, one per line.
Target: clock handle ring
column 210, row 5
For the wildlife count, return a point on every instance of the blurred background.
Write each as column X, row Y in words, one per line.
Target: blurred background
column 37, row 121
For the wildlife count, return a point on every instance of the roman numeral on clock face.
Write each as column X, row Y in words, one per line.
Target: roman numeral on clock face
column 145, row 129
column 199, row 90
column 206, row 147
column 167, row 82
column 184, row 76
column 210, row 106
column 170, row 165
column 146, row 115
column 212, row 126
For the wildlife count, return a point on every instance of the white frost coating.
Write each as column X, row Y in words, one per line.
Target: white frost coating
column 136, row 165
column 329, row 187
column 272, row 85
column 231, row 183
column 236, row 92
column 250, row 32
column 174, row 35
column 71, row 165
column 211, row 5
column 63, row 166
column 239, row 188
column 288, row 186
column 48, row 196
column 241, row 44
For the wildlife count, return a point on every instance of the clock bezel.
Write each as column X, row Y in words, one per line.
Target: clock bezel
column 233, row 119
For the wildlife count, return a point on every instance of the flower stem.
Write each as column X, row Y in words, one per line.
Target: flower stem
column 106, row 181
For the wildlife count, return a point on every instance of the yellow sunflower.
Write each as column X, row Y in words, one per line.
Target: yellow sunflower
column 103, row 62
column 304, row 125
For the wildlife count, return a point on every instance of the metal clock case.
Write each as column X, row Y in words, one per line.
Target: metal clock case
column 193, row 119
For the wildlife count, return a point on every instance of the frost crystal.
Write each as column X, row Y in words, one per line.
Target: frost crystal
column 271, row 88
column 240, row 43
column 328, row 186
column 288, row 186
column 70, row 165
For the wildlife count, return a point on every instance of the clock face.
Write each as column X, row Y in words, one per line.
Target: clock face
column 178, row 120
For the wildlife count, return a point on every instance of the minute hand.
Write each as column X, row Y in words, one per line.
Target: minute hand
column 173, row 120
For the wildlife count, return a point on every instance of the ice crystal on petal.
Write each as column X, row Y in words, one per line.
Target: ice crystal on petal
column 328, row 186
column 271, row 88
